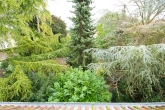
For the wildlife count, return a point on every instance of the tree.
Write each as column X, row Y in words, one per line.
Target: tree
column 16, row 15
column 58, row 26
column 113, row 30
column 149, row 9
column 144, row 35
column 35, row 50
column 81, row 33
column 140, row 70
column 109, row 28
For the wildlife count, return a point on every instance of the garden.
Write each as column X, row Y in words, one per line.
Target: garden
column 121, row 58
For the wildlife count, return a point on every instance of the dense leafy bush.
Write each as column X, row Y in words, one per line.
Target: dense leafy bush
column 78, row 86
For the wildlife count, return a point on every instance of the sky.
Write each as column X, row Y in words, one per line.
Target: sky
column 62, row 8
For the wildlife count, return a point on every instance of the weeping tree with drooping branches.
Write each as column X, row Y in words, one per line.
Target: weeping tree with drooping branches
column 140, row 70
column 15, row 17
column 34, row 50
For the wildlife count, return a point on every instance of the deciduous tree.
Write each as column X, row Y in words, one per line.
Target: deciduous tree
column 58, row 26
column 149, row 9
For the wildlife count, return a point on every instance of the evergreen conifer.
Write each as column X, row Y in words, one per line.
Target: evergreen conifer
column 81, row 32
column 35, row 48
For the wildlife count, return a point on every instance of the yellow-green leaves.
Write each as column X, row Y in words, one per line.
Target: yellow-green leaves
column 17, row 84
column 15, row 16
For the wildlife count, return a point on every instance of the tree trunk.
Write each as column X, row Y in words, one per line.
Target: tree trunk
column 1, row 73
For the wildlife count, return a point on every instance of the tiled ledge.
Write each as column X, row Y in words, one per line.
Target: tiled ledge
column 80, row 106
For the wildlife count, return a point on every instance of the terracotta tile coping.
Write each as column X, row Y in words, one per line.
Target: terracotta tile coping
column 80, row 106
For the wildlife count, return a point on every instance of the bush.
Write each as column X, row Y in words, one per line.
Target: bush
column 118, row 97
column 143, row 35
column 40, row 87
column 78, row 86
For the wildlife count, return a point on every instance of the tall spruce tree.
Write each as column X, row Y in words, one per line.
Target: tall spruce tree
column 81, row 33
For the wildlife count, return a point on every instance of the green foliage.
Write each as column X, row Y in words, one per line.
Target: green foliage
column 81, row 33
column 119, row 97
column 40, row 87
column 16, row 15
column 33, row 55
column 113, row 30
column 162, row 80
column 6, row 68
column 63, row 52
column 108, row 27
column 143, row 35
column 34, row 46
column 58, row 26
column 17, row 84
column 41, row 48
column 120, row 94
column 139, row 67
column 42, row 45
column 40, row 66
column 78, row 86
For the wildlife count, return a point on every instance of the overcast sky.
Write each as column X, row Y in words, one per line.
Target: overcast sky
column 61, row 8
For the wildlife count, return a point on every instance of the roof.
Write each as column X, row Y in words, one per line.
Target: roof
column 80, row 106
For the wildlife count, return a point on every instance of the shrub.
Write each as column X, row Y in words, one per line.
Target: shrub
column 78, row 86
column 118, row 97
column 40, row 87
column 143, row 35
